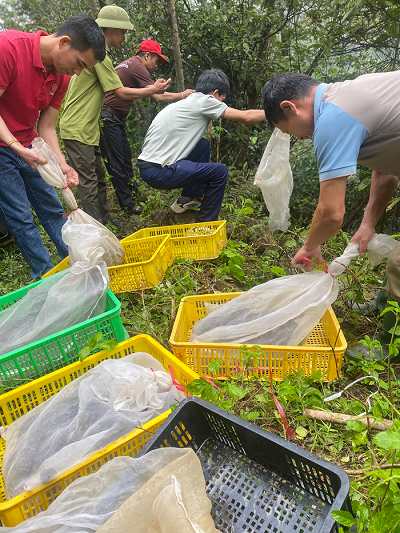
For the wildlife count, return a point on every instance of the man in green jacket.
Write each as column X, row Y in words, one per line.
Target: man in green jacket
column 80, row 123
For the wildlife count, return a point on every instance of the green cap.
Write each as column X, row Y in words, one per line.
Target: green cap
column 114, row 17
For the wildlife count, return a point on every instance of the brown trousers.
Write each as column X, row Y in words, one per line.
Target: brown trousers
column 86, row 160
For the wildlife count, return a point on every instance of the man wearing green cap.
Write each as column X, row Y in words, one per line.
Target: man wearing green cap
column 80, row 123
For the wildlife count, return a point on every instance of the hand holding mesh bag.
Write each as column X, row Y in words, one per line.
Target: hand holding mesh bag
column 113, row 253
column 283, row 311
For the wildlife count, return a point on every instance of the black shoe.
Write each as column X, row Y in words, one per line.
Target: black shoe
column 116, row 223
column 134, row 209
column 6, row 239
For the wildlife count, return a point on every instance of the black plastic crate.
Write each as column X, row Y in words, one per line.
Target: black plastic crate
column 257, row 482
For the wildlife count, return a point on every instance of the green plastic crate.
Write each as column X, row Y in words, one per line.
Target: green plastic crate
column 58, row 350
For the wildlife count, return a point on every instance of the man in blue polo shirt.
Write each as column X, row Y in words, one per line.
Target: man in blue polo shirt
column 351, row 122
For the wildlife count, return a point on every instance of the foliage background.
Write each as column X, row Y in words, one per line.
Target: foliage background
column 250, row 40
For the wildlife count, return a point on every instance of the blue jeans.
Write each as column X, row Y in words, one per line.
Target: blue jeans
column 20, row 188
column 197, row 177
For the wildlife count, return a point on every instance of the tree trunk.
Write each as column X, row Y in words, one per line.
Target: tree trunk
column 173, row 23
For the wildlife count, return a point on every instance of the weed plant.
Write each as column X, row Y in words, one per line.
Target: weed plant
column 254, row 255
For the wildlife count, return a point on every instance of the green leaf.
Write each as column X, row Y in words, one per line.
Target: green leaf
column 85, row 352
column 388, row 440
column 91, row 344
column 108, row 345
column 234, row 391
column 345, row 459
column 344, row 518
column 278, row 271
column 301, row 432
column 98, row 337
column 246, row 211
column 214, row 366
column 356, row 425
column 250, row 416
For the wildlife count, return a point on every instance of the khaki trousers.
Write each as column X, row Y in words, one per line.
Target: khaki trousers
column 393, row 274
column 86, row 160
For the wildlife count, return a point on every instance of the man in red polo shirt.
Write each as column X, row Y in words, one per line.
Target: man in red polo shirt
column 134, row 72
column 34, row 74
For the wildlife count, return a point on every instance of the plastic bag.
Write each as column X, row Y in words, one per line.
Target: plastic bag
column 106, row 403
column 283, row 311
column 274, row 177
column 57, row 303
column 113, row 253
column 89, row 502
column 173, row 500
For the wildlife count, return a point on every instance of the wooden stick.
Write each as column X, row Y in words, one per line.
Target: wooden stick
column 338, row 418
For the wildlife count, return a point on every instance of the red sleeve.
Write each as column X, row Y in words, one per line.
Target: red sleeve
column 58, row 97
column 7, row 62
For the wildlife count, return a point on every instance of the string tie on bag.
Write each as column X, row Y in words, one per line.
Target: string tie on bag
column 67, row 214
column 67, row 187
column 178, row 386
column 323, row 267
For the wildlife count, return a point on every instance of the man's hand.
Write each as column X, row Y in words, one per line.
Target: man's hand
column 70, row 174
column 310, row 254
column 188, row 92
column 362, row 237
column 31, row 158
column 161, row 85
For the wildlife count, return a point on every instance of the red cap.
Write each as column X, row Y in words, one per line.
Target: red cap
column 154, row 47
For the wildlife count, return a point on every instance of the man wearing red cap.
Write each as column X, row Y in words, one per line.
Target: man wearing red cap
column 135, row 73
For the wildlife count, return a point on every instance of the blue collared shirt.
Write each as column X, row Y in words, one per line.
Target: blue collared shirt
column 337, row 138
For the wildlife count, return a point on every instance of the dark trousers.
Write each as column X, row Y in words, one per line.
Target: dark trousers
column 197, row 177
column 86, row 160
column 117, row 155
column 3, row 228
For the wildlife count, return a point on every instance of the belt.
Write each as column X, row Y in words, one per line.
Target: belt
column 114, row 112
column 146, row 164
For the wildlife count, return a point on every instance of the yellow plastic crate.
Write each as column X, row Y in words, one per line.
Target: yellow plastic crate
column 21, row 400
column 315, row 354
column 201, row 240
column 146, row 261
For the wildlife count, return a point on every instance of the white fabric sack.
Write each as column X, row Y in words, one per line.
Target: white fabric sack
column 113, row 253
column 283, row 311
column 59, row 302
column 106, row 403
column 174, row 500
column 91, row 501
column 274, row 177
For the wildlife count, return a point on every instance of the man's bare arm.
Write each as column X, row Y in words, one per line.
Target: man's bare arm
column 172, row 97
column 382, row 189
column 31, row 158
column 127, row 93
column 327, row 220
column 47, row 130
column 249, row 117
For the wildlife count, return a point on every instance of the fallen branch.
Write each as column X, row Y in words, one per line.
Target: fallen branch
column 372, row 469
column 338, row 418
